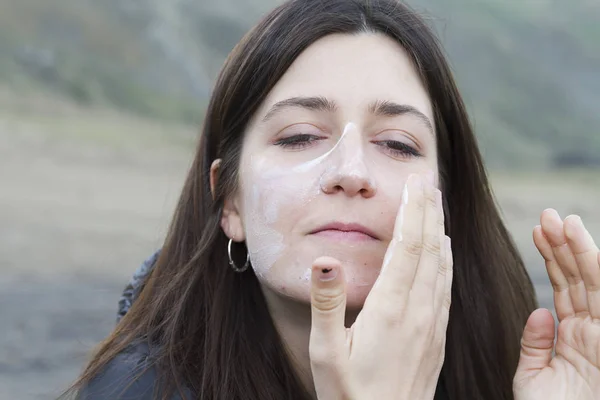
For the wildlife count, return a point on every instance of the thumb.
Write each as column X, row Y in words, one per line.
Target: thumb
column 536, row 345
column 328, row 333
column 328, row 301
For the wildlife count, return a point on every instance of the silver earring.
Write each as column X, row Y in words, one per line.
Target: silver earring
column 232, row 263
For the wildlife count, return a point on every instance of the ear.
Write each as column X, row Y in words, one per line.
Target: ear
column 214, row 172
column 231, row 218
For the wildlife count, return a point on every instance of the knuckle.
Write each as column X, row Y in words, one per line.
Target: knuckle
column 413, row 246
column 432, row 244
column 441, row 221
column 447, row 302
column 421, row 202
column 328, row 300
column 431, row 199
column 442, row 268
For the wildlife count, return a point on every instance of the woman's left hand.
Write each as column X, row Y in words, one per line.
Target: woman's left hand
column 573, row 265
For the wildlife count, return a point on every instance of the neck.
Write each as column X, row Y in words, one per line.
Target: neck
column 292, row 320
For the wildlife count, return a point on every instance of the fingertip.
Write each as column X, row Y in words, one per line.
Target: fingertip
column 539, row 238
column 541, row 320
column 541, row 313
column 550, row 219
column 325, row 269
column 538, row 233
column 552, row 227
column 550, row 213
column 574, row 218
column 572, row 225
column 328, row 291
column 537, row 343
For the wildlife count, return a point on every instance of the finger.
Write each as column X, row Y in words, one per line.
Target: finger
column 430, row 262
column 562, row 299
column 536, row 346
column 586, row 255
column 449, row 274
column 553, row 229
column 440, row 284
column 327, row 333
column 444, row 308
column 402, row 257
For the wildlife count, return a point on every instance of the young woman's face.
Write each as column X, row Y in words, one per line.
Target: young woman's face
column 324, row 163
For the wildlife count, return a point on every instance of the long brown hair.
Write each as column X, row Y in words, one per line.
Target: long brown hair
column 211, row 326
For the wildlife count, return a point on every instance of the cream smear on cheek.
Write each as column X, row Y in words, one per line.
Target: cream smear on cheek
column 275, row 189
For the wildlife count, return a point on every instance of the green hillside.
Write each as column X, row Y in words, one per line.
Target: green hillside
column 529, row 70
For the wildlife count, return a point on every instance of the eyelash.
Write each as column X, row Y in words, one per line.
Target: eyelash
column 397, row 149
column 297, row 142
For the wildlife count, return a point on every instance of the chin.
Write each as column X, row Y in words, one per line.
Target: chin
column 360, row 271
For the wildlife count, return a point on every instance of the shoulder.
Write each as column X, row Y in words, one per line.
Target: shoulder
column 132, row 289
column 129, row 376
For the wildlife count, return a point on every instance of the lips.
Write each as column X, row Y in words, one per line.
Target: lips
column 345, row 230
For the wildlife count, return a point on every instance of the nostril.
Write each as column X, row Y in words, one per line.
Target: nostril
column 337, row 188
column 368, row 191
column 351, row 184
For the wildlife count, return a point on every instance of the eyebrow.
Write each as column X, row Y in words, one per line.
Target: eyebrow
column 384, row 108
column 310, row 103
column 387, row 108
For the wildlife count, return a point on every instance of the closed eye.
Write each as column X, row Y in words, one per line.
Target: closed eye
column 398, row 149
column 298, row 142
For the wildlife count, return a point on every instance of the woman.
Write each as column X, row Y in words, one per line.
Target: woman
column 309, row 254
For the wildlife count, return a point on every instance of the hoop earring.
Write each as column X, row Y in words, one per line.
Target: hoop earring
column 232, row 263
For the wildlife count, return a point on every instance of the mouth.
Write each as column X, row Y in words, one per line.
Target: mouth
column 345, row 231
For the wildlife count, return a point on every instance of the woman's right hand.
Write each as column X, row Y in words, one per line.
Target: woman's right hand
column 395, row 348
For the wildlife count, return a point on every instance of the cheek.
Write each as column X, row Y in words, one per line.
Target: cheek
column 274, row 202
column 278, row 200
column 391, row 186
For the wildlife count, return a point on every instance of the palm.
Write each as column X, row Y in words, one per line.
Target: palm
column 573, row 264
column 572, row 373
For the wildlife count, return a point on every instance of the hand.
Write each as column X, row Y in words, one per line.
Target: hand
column 395, row 348
column 573, row 264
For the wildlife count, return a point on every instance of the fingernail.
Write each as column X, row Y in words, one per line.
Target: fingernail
column 405, row 194
column 327, row 274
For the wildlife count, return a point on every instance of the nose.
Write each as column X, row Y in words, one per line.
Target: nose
column 351, row 184
column 347, row 171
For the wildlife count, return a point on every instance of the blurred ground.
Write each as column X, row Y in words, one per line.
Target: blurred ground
column 86, row 196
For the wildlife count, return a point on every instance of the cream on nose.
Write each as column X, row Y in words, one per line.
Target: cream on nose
column 346, row 167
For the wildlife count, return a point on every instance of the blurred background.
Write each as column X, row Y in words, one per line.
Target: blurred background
column 101, row 102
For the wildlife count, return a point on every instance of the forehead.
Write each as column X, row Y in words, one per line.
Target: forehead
column 354, row 71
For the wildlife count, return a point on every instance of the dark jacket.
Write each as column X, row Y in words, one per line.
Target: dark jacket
column 127, row 377
column 121, row 379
